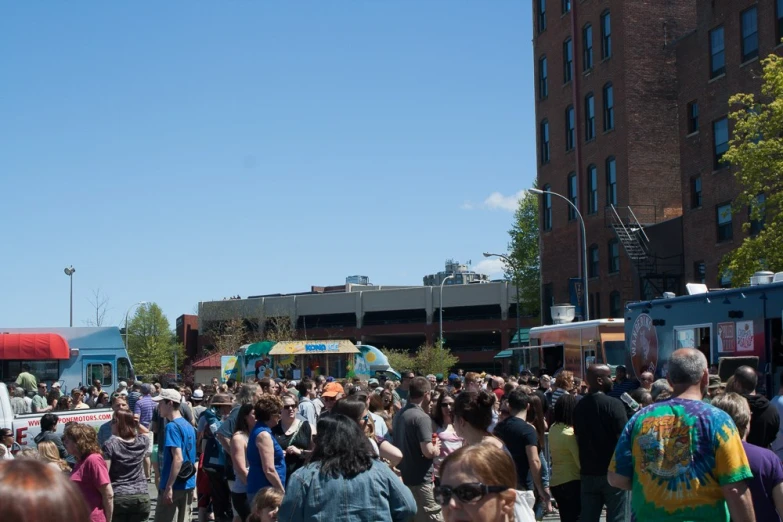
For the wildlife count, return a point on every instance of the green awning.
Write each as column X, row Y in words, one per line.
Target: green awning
column 505, row 354
column 259, row 349
column 521, row 337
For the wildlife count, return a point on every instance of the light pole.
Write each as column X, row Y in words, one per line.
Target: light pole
column 586, row 304
column 69, row 272
column 516, row 283
column 140, row 303
column 441, row 306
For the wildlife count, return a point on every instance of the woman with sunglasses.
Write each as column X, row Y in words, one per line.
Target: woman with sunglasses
column 294, row 434
column 477, row 485
column 443, row 427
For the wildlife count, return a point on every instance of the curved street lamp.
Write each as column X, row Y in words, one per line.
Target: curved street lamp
column 69, row 272
column 586, row 305
column 140, row 303
column 441, row 306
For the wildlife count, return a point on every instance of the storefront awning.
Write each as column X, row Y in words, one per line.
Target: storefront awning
column 505, row 354
column 258, row 349
column 313, row 347
column 33, row 346
column 521, row 337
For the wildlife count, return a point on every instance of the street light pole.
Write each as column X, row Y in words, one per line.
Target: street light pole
column 140, row 303
column 516, row 283
column 69, row 272
column 441, row 306
column 584, row 246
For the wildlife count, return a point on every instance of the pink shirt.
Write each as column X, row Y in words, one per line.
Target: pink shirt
column 90, row 474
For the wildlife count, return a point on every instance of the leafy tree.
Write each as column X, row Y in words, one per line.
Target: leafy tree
column 756, row 150
column 400, row 360
column 429, row 358
column 226, row 336
column 151, row 343
column 524, row 254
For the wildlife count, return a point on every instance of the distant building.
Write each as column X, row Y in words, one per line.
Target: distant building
column 463, row 275
column 357, row 280
column 186, row 332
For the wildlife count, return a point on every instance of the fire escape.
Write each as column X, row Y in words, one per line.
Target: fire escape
column 654, row 277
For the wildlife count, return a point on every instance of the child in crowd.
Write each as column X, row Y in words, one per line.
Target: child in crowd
column 266, row 505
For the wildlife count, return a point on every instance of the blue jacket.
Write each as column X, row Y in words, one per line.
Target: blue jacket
column 377, row 495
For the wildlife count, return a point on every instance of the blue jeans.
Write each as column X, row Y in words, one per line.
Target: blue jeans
column 597, row 493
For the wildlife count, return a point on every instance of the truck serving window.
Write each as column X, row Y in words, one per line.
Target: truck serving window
column 43, row 370
column 100, row 372
column 615, row 353
column 124, row 370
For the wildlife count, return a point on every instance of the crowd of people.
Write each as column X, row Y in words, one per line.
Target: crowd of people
column 470, row 447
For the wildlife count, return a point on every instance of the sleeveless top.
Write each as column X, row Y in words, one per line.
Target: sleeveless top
column 256, row 479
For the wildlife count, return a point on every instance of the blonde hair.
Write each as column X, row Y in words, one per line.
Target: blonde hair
column 49, row 453
column 737, row 407
column 565, row 380
column 267, row 498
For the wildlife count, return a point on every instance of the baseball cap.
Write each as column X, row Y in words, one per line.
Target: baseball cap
column 373, row 381
column 330, row 379
column 123, row 384
column 197, row 395
column 453, row 377
column 168, row 394
column 333, row 389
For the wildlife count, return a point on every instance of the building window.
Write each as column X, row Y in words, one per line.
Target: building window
column 547, row 209
column 587, row 47
column 725, row 279
column 565, row 6
column 696, row 192
column 614, row 256
column 570, row 120
column 720, row 141
column 717, row 52
column 615, row 305
column 608, row 107
column 699, row 272
column 568, row 60
column 757, row 207
column 589, row 117
column 606, row 35
column 544, row 137
column 693, row 117
column 541, row 15
column 611, row 181
column 779, row 14
column 592, row 189
column 725, row 229
column 750, row 34
column 573, row 191
column 592, row 267
column 543, row 84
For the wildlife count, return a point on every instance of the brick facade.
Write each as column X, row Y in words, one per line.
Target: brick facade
column 644, row 141
column 718, row 186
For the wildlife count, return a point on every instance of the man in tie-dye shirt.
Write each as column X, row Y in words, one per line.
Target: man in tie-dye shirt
column 682, row 458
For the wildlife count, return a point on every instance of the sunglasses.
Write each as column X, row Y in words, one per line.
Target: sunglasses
column 465, row 493
column 289, row 407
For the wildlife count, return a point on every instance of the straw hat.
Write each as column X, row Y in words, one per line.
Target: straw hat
column 222, row 399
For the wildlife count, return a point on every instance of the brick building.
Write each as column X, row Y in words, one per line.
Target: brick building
column 719, row 58
column 607, row 116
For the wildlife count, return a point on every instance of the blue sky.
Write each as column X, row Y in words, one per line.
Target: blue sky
column 180, row 152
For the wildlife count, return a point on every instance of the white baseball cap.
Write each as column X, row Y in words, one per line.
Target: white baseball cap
column 168, row 394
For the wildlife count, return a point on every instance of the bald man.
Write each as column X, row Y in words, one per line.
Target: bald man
column 645, row 380
column 598, row 421
column 764, row 418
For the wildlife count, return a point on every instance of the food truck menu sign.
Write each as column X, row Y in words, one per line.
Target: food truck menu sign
column 744, row 336
column 644, row 345
column 313, row 347
column 727, row 337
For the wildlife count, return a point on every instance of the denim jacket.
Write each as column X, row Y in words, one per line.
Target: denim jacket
column 377, row 495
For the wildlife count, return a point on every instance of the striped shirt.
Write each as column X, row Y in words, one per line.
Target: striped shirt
column 144, row 408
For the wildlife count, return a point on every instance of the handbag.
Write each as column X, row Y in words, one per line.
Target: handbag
column 188, row 469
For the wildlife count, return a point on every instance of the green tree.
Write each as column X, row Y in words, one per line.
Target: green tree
column 756, row 150
column 151, row 343
column 524, row 253
column 400, row 360
column 434, row 359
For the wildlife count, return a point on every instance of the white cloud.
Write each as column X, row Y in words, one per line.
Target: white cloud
column 497, row 201
column 494, row 267
column 468, row 205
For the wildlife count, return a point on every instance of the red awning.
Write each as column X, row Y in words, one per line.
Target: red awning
column 33, row 346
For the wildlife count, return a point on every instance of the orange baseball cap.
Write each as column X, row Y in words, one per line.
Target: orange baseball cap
column 333, row 389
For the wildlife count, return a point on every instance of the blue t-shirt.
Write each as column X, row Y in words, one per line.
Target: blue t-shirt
column 256, row 479
column 174, row 439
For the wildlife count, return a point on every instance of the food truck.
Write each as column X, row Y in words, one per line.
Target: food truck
column 298, row 359
column 73, row 357
column 574, row 346
column 743, row 324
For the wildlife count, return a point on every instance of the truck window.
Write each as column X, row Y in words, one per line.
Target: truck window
column 43, row 370
column 100, row 372
column 124, row 370
column 615, row 353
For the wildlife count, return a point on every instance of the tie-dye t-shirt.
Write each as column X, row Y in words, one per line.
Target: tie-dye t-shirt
column 679, row 453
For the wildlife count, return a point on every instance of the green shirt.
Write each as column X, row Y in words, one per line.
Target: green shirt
column 27, row 381
column 39, row 403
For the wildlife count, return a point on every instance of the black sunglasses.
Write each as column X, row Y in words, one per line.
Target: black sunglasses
column 465, row 493
column 289, row 407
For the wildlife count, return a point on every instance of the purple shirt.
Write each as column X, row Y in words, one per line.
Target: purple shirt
column 767, row 473
column 144, row 408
